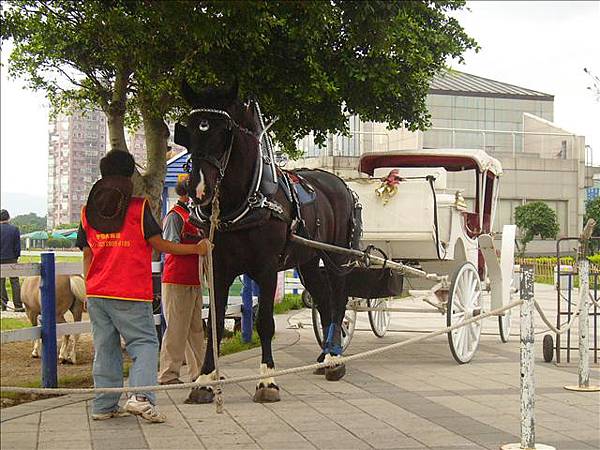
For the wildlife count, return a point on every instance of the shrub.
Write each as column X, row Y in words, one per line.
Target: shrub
column 536, row 219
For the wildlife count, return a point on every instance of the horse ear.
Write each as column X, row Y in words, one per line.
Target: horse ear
column 189, row 95
column 182, row 136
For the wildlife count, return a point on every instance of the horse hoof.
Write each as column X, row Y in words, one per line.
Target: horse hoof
column 266, row 394
column 319, row 371
column 62, row 361
column 200, row 396
column 335, row 373
column 35, row 356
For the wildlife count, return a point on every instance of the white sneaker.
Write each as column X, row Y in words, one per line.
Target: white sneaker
column 119, row 412
column 140, row 406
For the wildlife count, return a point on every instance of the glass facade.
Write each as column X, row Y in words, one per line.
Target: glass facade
column 471, row 122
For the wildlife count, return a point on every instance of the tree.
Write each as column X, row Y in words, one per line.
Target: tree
column 536, row 219
column 67, row 226
column 28, row 223
column 307, row 62
column 592, row 211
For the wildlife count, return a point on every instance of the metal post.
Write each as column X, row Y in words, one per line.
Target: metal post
column 584, row 292
column 527, row 365
column 247, row 309
column 48, row 293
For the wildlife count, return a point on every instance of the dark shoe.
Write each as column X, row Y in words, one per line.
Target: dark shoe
column 173, row 381
column 3, row 307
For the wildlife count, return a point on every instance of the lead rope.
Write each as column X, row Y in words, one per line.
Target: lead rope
column 214, row 219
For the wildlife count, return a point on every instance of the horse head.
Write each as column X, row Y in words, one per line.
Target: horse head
column 210, row 134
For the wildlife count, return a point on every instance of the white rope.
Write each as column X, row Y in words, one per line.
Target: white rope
column 293, row 370
column 551, row 327
column 214, row 218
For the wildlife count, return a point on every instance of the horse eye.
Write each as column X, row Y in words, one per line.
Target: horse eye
column 204, row 126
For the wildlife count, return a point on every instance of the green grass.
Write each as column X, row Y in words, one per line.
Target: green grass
column 37, row 258
column 13, row 324
column 288, row 303
column 234, row 344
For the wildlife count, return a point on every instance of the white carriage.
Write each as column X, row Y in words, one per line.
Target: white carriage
column 444, row 243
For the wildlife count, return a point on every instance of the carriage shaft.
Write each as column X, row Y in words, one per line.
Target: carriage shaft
column 372, row 259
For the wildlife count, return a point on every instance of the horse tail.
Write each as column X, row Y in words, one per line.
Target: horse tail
column 77, row 284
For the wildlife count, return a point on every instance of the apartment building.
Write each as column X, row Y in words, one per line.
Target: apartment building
column 76, row 142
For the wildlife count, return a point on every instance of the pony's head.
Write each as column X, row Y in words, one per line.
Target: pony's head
column 209, row 134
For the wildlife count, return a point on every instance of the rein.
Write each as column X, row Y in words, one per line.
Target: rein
column 214, row 219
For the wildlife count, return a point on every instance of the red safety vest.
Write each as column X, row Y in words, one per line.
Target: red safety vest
column 121, row 265
column 183, row 269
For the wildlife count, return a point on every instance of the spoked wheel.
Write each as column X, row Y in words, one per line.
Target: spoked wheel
column 464, row 302
column 379, row 319
column 348, row 325
column 306, row 299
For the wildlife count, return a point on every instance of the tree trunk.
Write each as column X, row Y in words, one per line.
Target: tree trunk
column 116, row 129
column 157, row 134
column 115, row 111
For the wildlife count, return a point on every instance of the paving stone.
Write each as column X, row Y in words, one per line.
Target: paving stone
column 84, row 444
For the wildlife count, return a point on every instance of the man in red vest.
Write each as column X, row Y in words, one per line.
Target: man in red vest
column 117, row 234
column 181, row 296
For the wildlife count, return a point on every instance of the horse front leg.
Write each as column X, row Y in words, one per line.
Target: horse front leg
column 205, row 394
column 267, row 390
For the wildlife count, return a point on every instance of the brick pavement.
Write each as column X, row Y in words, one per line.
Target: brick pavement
column 415, row 397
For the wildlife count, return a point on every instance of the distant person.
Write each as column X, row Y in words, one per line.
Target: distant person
column 10, row 250
column 181, row 296
column 117, row 234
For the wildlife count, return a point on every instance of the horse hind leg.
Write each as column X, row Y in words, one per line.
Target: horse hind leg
column 315, row 281
column 336, row 370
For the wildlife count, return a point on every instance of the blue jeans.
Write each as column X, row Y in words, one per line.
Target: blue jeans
column 135, row 322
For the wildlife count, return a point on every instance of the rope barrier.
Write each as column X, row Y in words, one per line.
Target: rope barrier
column 290, row 371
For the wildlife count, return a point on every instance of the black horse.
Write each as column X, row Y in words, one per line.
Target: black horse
column 260, row 206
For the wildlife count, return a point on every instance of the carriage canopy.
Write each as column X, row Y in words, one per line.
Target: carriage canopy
column 453, row 160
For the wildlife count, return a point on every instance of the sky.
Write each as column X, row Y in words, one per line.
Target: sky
column 542, row 46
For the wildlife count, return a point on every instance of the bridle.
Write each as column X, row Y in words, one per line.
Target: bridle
column 219, row 163
column 254, row 199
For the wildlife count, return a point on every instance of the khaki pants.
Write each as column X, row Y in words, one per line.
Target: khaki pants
column 184, row 337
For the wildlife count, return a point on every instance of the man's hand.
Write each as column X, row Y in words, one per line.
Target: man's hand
column 204, row 246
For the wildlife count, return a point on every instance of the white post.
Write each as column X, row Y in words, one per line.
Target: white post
column 527, row 365
column 584, row 292
column 527, row 360
column 584, row 339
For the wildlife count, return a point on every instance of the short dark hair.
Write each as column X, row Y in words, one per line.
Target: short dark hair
column 117, row 162
column 4, row 215
column 182, row 188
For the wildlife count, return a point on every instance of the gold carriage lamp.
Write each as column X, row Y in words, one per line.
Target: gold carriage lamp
column 183, row 177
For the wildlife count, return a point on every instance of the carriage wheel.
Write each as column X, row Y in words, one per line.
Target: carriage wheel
column 306, row 299
column 464, row 302
column 379, row 320
column 348, row 325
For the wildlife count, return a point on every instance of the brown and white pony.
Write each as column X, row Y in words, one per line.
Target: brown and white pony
column 70, row 295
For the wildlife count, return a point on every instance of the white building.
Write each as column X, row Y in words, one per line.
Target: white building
column 541, row 161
